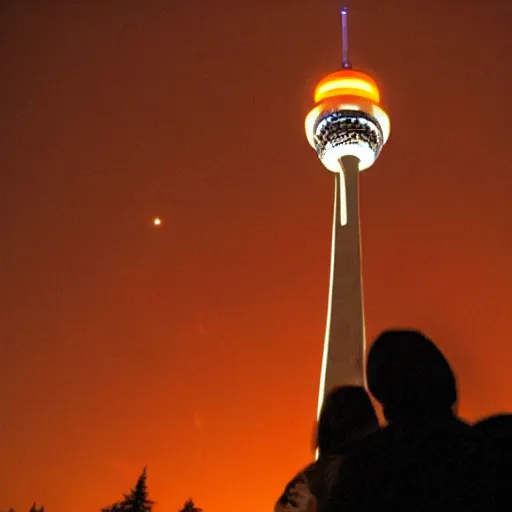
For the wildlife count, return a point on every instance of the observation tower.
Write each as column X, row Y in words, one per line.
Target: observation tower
column 347, row 128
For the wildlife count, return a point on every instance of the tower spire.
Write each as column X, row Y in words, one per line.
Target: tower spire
column 345, row 64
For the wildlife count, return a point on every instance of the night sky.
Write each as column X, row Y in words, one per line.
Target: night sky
column 194, row 347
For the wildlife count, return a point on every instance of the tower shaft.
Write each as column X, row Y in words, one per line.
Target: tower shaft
column 344, row 344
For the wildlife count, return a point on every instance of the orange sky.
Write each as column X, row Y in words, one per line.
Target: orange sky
column 195, row 347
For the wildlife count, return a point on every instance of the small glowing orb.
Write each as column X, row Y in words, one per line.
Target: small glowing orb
column 157, row 221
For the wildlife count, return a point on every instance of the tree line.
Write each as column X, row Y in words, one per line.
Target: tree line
column 137, row 500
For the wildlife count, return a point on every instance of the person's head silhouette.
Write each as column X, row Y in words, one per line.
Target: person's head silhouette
column 410, row 376
column 347, row 413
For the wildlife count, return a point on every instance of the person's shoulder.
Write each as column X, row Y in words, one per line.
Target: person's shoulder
column 461, row 427
column 454, row 430
column 368, row 450
column 324, row 465
column 321, row 475
column 283, row 498
column 374, row 441
column 327, row 464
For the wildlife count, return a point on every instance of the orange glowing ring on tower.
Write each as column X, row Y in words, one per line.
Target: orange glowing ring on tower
column 347, row 82
column 347, row 94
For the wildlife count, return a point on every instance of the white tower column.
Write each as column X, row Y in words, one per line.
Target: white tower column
column 344, row 343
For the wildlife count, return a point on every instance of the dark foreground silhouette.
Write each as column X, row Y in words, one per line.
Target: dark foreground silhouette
column 426, row 458
column 347, row 415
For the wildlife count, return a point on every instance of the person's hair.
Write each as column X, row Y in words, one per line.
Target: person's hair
column 347, row 413
column 410, row 376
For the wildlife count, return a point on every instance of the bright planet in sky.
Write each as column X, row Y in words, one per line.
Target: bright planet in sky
column 157, row 221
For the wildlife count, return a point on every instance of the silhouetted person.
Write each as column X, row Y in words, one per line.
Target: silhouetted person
column 347, row 414
column 425, row 458
column 497, row 433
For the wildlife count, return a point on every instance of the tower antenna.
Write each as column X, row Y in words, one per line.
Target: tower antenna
column 345, row 64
